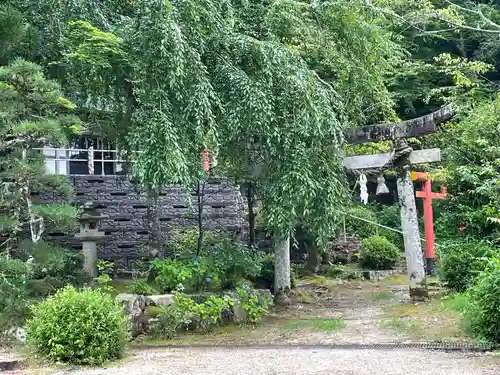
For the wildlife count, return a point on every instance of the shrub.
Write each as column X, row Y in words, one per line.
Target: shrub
column 185, row 314
column 143, row 288
column 87, row 327
column 390, row 216
column 172, row 318
column 482, row 310
column 255, row 308
column 378, row 252
column 462, row 262
column 265, row 278
column 55, row 262
column 222, row 261
column 359, row 228
column 338, row 271
column 13, row 293
column 171, row 274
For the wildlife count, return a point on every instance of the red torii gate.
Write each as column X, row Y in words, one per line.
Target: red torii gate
column 427, row 195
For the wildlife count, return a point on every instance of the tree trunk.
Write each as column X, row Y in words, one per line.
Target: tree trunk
column 154, row 222
column 201, row 200
column 251, row 215
column 282, row 283
column 411, row 235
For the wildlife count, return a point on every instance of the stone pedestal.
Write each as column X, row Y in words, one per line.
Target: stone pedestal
column 90, row 236
column 90, row 258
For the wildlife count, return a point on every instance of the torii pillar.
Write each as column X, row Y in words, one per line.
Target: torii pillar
column 427, row 195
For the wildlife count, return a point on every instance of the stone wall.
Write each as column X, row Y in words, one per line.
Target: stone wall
column 125, row 204
column 345, row 250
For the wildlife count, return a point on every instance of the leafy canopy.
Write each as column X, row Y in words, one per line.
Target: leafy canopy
column 267, row 87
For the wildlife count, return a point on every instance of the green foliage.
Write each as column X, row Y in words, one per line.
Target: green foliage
column 379, row 253
column 338, row 271
column 171, row 274
column 482, row 310
column 105, row 267
column 104, row 283
column 462, row 262
column 359, row 228
column 390, row 216
column 186, row 314
column 265, row 278
column 143, row 288
column 52, row 261
column 474, row 170
column 13, row 293
column 223, row 260
column 46, row 270
column 255, row 308
column 80, row 327
column 184, row 76
column 33, row 114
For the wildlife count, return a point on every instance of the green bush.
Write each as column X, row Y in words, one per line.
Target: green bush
column 186, row 314
column 338, row 271
column 222, row 261
column 13, row 293
column 55, row 262
column 360, row 228
column 255, row 308
column 171, row 274
column 143, row 288
column 265, row 278
column 379, row 253
column 482, row 310
column 390, row 216
column 87, row 327
column 462, row 262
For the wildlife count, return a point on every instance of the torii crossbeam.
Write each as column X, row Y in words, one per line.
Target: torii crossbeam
column 397, row 132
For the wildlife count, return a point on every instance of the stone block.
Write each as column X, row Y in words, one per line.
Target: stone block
column 345, row 251
column 160, row 300
column 375, row 275
column 134, row 306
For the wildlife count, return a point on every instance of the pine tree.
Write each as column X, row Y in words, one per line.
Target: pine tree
column 33, row 114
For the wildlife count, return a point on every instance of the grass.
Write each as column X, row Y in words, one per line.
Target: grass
column 403, row 280
column 382, row 295
column 121, row 286
column 313, row 280
column 304, row 297
column 436, row 320
column 402, row 325
column 314, row 324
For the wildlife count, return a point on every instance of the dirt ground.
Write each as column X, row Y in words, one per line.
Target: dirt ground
column 324, row 311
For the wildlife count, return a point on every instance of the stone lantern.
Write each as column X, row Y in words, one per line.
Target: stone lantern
column 90, row 220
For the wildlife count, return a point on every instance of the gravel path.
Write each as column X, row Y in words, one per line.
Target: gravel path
column 292, row 361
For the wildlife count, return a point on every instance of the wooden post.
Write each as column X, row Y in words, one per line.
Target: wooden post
column 427, row 195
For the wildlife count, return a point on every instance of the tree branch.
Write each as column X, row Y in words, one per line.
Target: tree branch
column 476, row 12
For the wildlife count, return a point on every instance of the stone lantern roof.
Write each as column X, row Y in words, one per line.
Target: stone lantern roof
column 90, row 213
